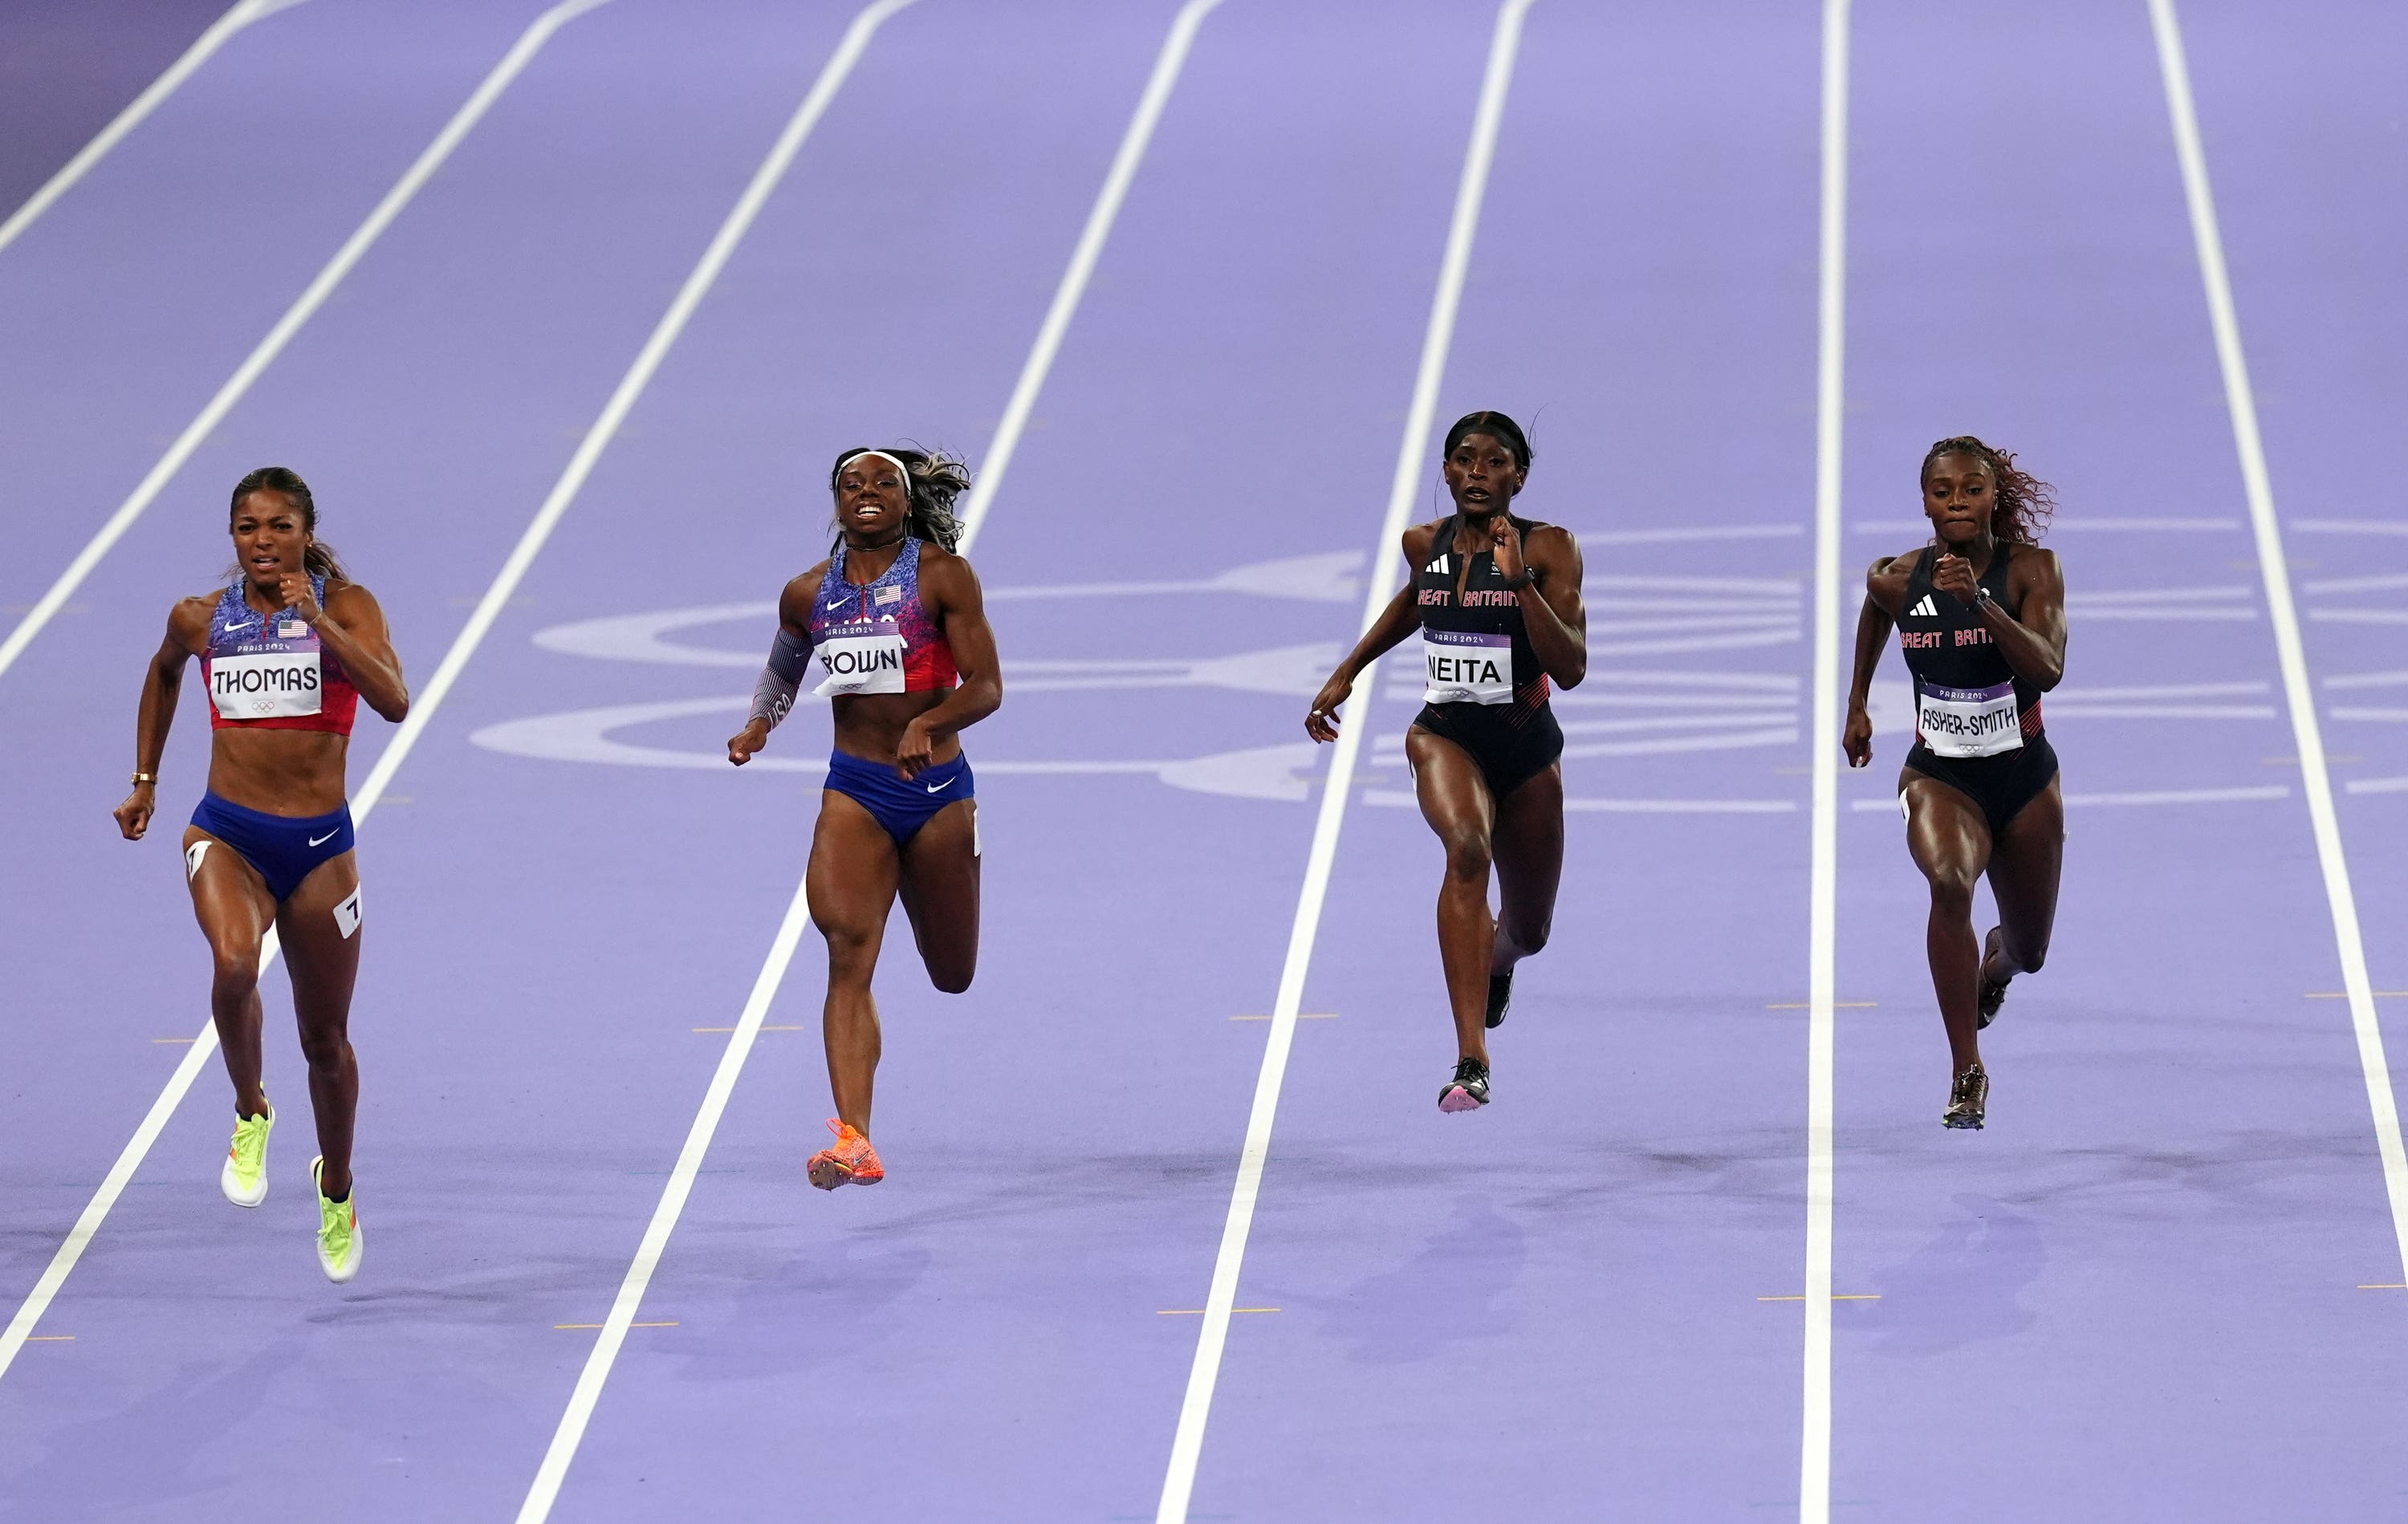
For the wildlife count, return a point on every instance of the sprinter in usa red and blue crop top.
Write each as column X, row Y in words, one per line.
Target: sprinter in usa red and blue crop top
column 901, row 633
column 288, row 651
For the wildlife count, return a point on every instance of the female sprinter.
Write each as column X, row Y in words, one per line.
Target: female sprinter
column 898, row 623
column 288, row 651
column 1980, row 616
column 1497, row 601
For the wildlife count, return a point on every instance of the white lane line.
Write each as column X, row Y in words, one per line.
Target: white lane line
column 312, row 297
column 113, row 1185
column 1399, row 799
column 1702, row 532
column 565, row 1438
column 2094, row 526
column 2369, row 679
column 2153, row 796
column 91, row 153
column 1814, row 1439
column 2357, row 584
column 1413, row 465
column 1100, row 217
column 2316, row 780
column 2154, row 690
column 2360, row 616
column 2349, row 526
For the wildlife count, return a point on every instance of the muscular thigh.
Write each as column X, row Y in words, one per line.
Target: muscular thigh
column 1945, row 831
column 939, row 879
column 1453, row 792
column 1529, row 844
column 321, row 926
column 229, row 898
column 853, row 869
column 2030, row 851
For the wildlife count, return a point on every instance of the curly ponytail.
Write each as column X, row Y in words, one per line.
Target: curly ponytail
column 2025, row 503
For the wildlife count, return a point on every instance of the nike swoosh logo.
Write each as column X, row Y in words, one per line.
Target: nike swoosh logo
column 941, row 788
column 839, row 603
column 327, row 837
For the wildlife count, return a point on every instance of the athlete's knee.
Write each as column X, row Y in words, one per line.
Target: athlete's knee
column 234, row 971
column 1467, row 855
column 1952, row 885
column 851, row 948
column 325, row 1052
column 1528, row 937
column 2030, row 953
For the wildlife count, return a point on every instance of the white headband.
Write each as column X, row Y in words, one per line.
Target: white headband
column 900, row 469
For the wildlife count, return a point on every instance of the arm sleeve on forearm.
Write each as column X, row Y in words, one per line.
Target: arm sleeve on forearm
column 774, row 694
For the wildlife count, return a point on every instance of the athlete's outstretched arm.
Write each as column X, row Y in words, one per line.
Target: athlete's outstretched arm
column 951, row 589
column 163, row 678
column 1885, row 585
column 1395, row 621
column 790, row 657
column 353, row 627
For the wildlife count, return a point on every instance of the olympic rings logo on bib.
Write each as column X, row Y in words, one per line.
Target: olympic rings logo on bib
column 1969, row 721
column 1467, row 666
column 863, row 658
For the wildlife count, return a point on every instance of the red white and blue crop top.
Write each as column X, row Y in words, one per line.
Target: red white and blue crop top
column 879, row 638
column 268, row 671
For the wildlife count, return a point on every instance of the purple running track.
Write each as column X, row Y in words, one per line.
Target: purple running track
column 71, row 66
column 2135, row 1293
column 2097, row 1306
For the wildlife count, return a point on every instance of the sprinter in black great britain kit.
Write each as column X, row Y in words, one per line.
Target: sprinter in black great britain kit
column 1980, row 614
column 1497, row 601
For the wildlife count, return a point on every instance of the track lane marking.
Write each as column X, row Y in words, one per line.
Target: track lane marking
column 1814, row 1439
column 1170, row 62
column 216, row 37
column 181, row 1082
column 2315, row 778
column 304, row 306
column 1379, row 580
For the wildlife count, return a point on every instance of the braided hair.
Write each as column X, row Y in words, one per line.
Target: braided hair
column 933, row 480
column 2025, row 504
column 318, row 558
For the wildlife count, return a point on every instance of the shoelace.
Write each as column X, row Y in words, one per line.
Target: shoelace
column 1468, row 1069
column 250, row 1142
column 1962, row 1090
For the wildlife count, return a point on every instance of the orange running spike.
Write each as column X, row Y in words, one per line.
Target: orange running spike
column 851, row 1161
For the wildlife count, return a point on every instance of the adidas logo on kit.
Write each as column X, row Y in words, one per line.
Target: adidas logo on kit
column 1438, row 566
column 1927, row 609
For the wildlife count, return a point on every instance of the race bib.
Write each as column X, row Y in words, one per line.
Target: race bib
column 1969, row 721
column 865, row 657
column 1463, row 667
column 266, row 685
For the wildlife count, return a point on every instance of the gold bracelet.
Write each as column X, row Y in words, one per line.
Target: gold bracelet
column 146, row 777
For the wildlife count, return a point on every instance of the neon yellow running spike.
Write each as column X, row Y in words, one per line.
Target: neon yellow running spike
column 339, row 1230
column 244, row 1178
